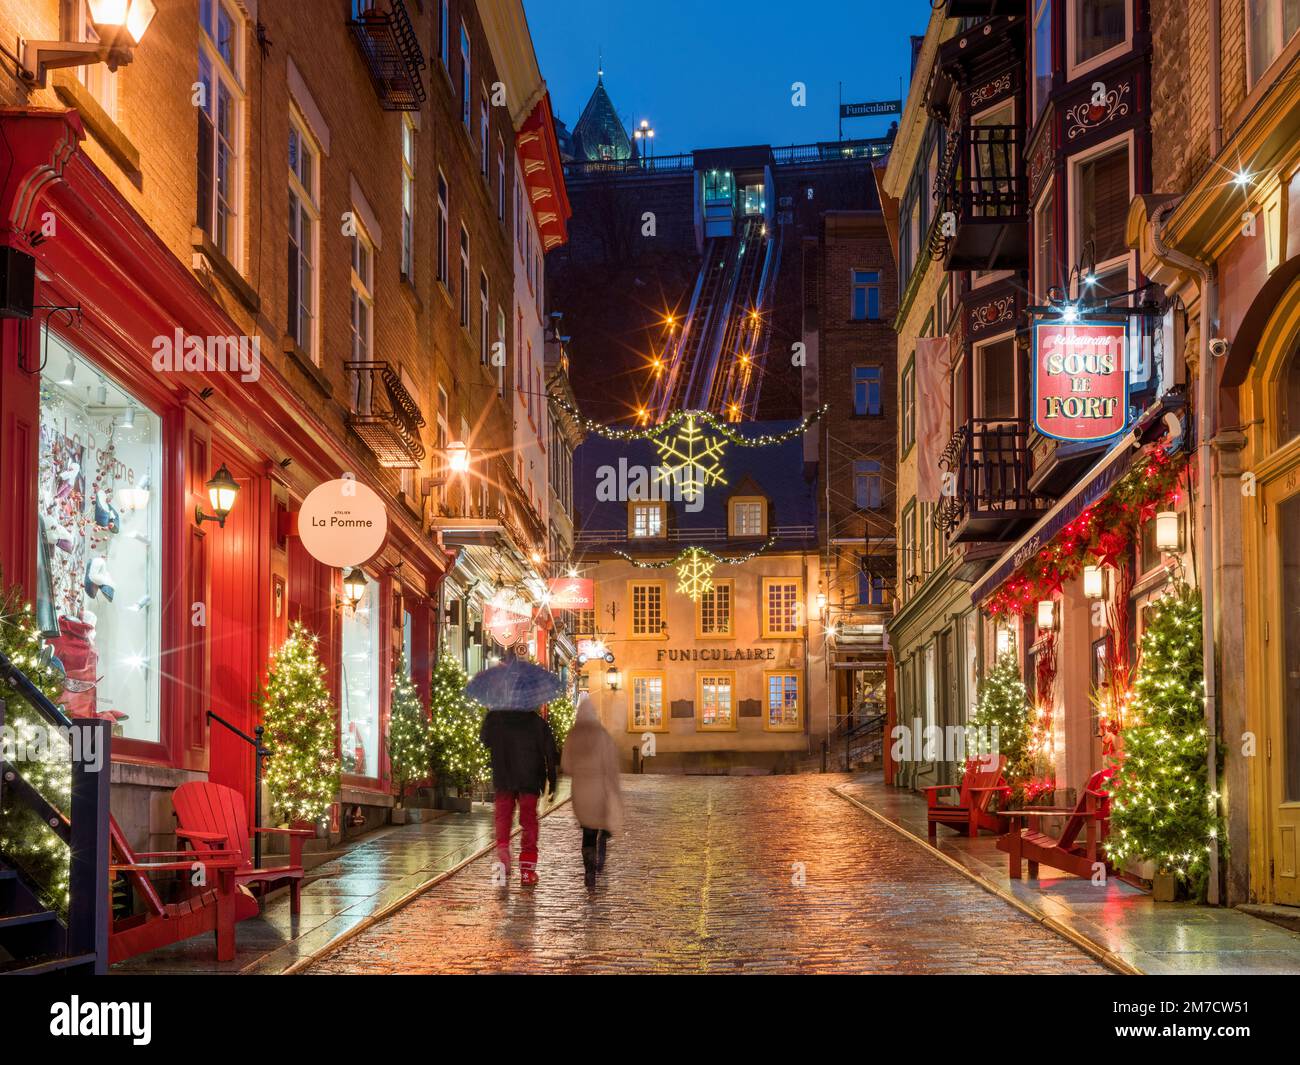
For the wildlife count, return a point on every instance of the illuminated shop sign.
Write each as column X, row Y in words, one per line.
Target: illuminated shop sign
column 1080, row 380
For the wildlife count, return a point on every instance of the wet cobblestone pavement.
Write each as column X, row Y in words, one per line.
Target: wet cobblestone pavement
column 703, row 880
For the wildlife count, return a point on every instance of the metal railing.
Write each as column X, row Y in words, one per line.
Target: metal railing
column 788, row 155
column 84, row 826
column 591, row 537
column 990, row 457
column 862, row 736
column 260, row 753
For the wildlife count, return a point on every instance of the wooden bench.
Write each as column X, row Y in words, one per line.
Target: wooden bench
column 212, row 907
column 1090, row 816
column 211, row 817
column 971, row 810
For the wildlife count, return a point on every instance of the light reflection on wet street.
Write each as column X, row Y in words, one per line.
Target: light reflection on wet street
column 707, row 879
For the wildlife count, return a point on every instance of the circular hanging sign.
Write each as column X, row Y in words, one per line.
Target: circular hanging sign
column 342, row 523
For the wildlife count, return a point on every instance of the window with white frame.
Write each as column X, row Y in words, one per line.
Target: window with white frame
column 1270, row 24
column 444, row 34
column 717, row 705
column 363, row 295
column 647, row 709
column 500, row 356
column 484, row 305
column 220, row 111
column 1042, row 54
column 748, row 517
column 444, row 227
column 304, row 238
column 646, row 520
column 408, row 197
column 647, row 608
column 1045, row 244
column 484, row 138
column 465, row 116
column 1097, row 29
column 99, row 81
column 464, row 277
column 1100, row 194
column 714, row 610
column 782, row 612
column 996, row 371
column 501, row 179
column 782, row 700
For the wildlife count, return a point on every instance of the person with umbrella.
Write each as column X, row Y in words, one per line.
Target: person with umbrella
column 524, row 758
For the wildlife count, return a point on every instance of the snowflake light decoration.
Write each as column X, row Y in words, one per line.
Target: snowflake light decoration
column 694, row 573
column 691, row 459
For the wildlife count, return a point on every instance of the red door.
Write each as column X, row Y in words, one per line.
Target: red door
column 238, row 559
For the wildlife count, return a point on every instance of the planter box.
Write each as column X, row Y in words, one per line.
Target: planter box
column 398, row 814
column 1164, row 887
column 461, row 804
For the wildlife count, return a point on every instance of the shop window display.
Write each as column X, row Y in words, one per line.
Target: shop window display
column 360, row 717
column 99, row 561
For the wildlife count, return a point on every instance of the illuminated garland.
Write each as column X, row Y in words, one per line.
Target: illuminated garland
column 725, row 560
column 717, row 425
column 1104, row 531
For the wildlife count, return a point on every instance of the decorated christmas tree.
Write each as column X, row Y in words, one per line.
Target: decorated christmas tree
column 1161, row 806
column 459, row 759
column 1002, row 719
column 303, row 770
column 409, row 735
column 560, row 714
column 40, row 753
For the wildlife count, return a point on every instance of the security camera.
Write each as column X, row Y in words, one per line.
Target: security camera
column 1219, row 347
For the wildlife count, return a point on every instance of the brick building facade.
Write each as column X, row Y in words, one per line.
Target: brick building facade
column 247, row 175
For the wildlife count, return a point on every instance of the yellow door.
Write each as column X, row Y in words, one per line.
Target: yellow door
column 1281, row 747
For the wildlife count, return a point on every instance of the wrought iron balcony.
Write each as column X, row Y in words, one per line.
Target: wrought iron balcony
column 386, row 38
column 992, row 498
column 387, row 418
column 984, row 220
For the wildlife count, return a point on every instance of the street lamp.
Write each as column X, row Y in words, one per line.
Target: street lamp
column 119, row 25
column 645, row 132
column 457, row 457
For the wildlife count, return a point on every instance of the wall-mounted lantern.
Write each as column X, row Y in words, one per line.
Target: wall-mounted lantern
column 613, row 678
column 354, row 587
column 223, row 490
column 1094, row 582
column 1047, row 614
column 1168, row 532
column 119, row 26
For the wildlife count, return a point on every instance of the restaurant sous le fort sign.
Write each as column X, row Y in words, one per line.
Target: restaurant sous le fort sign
column 1080, row 380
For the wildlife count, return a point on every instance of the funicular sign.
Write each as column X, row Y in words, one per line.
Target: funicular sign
column 1080, row 379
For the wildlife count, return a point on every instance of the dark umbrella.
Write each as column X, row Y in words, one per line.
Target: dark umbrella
column 515, row 685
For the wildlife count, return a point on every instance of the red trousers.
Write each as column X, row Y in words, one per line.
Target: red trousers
column 505, row 819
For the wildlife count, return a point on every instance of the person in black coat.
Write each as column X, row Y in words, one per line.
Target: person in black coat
column 524, row 762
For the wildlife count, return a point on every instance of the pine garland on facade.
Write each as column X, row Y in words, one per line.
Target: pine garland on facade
column 301, row 732
column 459, row 759
column 1161, row 805
column 410, row 737
column 41, row 754
column 1002, row 719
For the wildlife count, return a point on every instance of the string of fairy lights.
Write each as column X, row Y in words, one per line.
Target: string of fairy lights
column 716, row 424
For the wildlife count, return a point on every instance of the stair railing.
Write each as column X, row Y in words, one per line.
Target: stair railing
column 259, row 754
column 84, row 826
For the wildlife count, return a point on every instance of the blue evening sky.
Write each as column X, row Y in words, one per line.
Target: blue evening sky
column 709, row 74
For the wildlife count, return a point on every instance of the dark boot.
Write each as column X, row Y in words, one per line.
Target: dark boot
column 589, row 866
column 600, row 850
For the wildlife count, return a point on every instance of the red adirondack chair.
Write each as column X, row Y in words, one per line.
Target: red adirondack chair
column 214, row 908
column 1091, row 815
column 971, row 810
column 211, row 817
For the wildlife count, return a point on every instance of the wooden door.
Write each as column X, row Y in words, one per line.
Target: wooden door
column 1282, row 702
column 238, row 556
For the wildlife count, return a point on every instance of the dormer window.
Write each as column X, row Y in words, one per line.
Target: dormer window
column 747, row 516
column 645, row 521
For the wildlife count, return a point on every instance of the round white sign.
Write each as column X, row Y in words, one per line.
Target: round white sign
column 342, row 523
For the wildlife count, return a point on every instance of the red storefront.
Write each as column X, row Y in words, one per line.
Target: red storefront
column 104, row 455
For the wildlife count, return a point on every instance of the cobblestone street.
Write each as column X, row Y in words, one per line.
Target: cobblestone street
column 703, row 881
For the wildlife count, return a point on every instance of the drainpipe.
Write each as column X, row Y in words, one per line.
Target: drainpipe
column 1205, row 411
column 1216, row 80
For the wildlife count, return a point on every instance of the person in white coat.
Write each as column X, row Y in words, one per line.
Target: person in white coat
column 590, row 760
